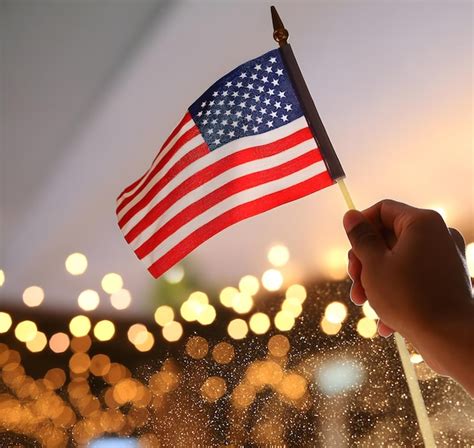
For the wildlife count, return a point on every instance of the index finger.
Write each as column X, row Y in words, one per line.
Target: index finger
column 391, row 215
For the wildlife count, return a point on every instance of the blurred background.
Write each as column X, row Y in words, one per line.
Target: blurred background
column 89, row 92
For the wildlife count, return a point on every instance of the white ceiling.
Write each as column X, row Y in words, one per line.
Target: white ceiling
column 91, row 89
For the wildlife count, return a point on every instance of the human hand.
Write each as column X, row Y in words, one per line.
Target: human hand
column 410, row 267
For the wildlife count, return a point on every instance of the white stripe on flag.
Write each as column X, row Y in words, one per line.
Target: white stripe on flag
column 214, row 156
column 187, row 147
column 186, row 127
column 236, row 172
column 230, row 203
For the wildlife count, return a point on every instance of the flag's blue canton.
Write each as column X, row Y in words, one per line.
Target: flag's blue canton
column 254, row 98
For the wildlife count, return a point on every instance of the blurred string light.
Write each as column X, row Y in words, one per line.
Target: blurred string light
column 339, row 376
column 88, row 300
column 278, row 255
column 259, row 323
column 237, row 329
column 284, row 320
column 104, row 330
column 5, row 322
column 38, row 343
column 336, row 312
column 197, row 308
column 111, row 283
column 197, row 347
column 33, row 296
column 147, row 344
column 226, row 296
column 59, row 342
column 79, row 326
column 2, row 277
column 367, row 328
column 172, row 331
column 272, row 280
column 213, row 388
column 164, row 315
column 121, row 299
column 293, row 306
column 369, row 311
column 336, row 263
column 330, row 328
column 470, row 258
column 278, row 345
column 242, row 303
column 76, row 263
column 223, row 353
column 249, row 284
column 174, row 275
column 137, row 334
column 26, row 331
column 297, row 292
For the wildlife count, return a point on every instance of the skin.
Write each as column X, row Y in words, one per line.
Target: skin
column 412, row 269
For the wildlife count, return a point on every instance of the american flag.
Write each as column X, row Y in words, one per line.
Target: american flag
column 242, row 148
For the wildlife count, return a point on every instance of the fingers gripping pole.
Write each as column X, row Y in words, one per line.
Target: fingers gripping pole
column 408, row 369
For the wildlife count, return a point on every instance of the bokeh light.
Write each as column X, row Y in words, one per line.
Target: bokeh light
column 336, row 312
column 33, row 296
column 2, row 277
column 284, row 320
column 38, row 343
column 272, row 280
column 336, row 263
column 369, row 311
column 278, row 255
column 164, row 315
column 278, row 345
column 242, row 303
column 5, row 322
column 249, row 284
column 223, row 353
column 293, row 306
column 197, row 347
column 59, row 342
column 147, row 344
column 76, row 263
column 79, row 325
column 296, row 291
column 137, row 334
column 88, row 300
column 416, row 358
column 174, row 275
column 213, row 388
column 237, row 329
column 227, row 295
column 172, row 331
column 330, row 328
column 111, row 283
column 121, row 299
column 259, row 323
column 104, row 330
column 207, row 316
column 26, row 331
column 367, row 328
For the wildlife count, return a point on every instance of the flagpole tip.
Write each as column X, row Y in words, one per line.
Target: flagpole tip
column 280, row 33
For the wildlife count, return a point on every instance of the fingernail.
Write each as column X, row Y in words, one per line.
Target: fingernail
column 351, row 219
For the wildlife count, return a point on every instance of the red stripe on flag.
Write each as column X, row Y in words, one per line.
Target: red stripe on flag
column 188, row 135
column 184, row 120
column 235, row 215
column 227, row 190
column 211, row 171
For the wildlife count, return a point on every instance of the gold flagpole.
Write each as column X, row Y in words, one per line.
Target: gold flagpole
column 334, row 167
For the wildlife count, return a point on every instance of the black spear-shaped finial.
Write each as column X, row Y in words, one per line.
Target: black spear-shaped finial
column 280, row 33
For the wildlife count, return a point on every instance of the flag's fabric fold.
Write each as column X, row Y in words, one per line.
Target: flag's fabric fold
column 242, row 148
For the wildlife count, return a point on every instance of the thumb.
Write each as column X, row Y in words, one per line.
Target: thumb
column 367, row 244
